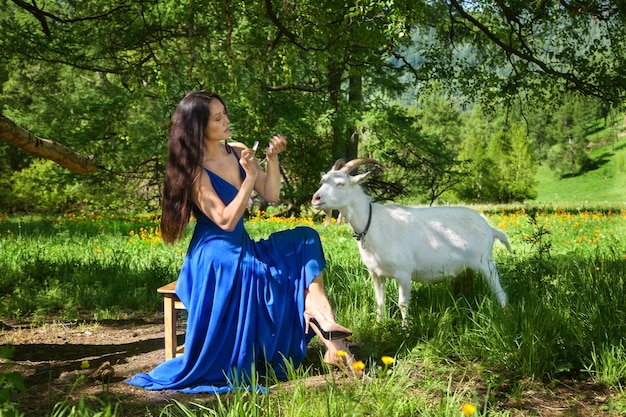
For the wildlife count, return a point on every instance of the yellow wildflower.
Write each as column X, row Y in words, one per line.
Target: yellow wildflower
column 341, row 353
column 84, row 364
column 468, row 409
column 387, row 360
column 358, row 366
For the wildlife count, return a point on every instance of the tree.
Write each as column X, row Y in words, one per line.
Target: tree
column 313, row 63
column 479, row 182
column 102, row 77
column 570, row 127
column 513, row 161
column 501, row 51
column 424, row 165
column 501, row 165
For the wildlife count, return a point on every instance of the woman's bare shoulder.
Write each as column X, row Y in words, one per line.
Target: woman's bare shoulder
column 238, row 146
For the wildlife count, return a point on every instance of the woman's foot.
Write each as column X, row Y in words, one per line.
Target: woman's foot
column 337, row 351
column 323, row 327
column 338, row 355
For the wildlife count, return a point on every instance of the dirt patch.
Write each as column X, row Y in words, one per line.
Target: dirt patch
column 52, row 359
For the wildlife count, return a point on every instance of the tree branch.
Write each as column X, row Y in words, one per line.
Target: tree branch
column 282, row 28
column 582, row 86
column 45, row 148
column 41, row 15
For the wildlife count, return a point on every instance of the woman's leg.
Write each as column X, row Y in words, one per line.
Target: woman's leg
column 317, row 310
column 319, row 316
column 316, row 298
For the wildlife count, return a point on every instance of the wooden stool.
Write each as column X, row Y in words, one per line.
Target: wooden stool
column 171, row 303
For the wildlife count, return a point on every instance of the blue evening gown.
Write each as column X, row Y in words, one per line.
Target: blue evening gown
column 245, row 304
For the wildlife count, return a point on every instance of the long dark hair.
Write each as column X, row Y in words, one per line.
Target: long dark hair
column 185, row 155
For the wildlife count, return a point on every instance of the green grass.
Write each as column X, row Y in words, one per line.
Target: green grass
column 565, row 319
column 607, row 183
column 86, row 267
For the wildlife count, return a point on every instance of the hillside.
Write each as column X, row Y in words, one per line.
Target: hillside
column 606, row 184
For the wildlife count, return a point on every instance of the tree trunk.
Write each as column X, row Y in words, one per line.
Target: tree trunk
column 45, row 148
column 334, row 93
column 355, row 99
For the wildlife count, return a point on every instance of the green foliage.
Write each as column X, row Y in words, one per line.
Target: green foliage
column 103, row 79
column 501, row 162
column 604, row 184
column 538, row 238
column 11, row 384
column 522, row 51
column 513, row 158
column 572, row 124
column 117, row 95
column 82, row 408
column 46, row 187
column 417, row 145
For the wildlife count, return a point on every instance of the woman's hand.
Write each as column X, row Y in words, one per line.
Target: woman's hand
column 277, row 145
column 249, row 164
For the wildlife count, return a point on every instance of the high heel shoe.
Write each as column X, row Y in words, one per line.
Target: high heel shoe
column 338, row 355
column 326, row 329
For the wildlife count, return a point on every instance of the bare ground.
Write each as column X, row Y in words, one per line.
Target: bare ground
column 50, row 358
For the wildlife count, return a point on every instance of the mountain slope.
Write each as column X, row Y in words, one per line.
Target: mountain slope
column 607, row 183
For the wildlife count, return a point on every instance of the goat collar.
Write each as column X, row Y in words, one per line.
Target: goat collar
column 360, row 236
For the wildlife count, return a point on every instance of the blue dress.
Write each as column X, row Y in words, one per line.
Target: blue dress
column 245, row 304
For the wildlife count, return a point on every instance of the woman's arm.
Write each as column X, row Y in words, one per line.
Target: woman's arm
column 207, row 199
column 268, row 182
column 269, row 189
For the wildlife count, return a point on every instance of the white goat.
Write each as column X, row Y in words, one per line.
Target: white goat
column 406, row 243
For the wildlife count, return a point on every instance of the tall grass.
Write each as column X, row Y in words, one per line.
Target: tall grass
column 565, row 318
column 74, row 267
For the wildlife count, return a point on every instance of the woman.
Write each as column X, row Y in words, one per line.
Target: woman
column 251, row 305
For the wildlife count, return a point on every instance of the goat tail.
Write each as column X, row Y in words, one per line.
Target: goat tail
column 502, row 238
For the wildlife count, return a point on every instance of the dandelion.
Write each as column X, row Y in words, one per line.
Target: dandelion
column 358, row 366
column 387, row 360
column 468, row 409
column 84, row 364
column 341, row 353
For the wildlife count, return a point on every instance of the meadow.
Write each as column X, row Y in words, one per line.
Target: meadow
column 564, row 326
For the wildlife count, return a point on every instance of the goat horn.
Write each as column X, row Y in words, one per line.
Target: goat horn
column 352, row 165
column 338, row 164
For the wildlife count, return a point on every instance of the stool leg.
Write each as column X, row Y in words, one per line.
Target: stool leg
column 169, row 321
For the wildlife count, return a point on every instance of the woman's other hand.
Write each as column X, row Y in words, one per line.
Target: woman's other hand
column 277, row 145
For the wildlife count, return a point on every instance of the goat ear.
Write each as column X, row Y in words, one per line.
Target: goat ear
column 358, row 179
